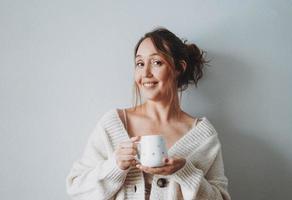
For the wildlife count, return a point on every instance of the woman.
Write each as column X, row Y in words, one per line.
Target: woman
column 164, row 67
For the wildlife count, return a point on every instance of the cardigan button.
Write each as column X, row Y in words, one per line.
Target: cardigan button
column 162, row 182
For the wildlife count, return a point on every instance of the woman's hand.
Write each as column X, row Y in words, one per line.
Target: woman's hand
column 125, row 153
column 171, row 166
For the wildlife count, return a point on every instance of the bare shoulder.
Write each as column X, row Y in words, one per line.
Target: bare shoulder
column 135, row 112
column 129, row 113
column 121, row 115
column 190, row 119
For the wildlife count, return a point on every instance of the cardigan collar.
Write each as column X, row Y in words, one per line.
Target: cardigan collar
column 182, row 147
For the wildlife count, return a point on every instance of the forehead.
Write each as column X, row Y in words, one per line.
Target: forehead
column 146, row 48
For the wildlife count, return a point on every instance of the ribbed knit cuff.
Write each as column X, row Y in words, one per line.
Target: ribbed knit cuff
column 113, row 171
column 188, row 176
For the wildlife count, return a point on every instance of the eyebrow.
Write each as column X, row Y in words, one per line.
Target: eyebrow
column 153, row 54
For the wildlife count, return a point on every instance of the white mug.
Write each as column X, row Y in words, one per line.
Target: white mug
column 151, row 150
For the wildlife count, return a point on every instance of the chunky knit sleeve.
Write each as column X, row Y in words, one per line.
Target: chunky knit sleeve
column 95, row 175
column 203, row 177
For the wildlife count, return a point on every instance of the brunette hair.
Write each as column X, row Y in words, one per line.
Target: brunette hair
column 176, row 51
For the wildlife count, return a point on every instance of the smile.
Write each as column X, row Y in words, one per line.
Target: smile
column 150, row 84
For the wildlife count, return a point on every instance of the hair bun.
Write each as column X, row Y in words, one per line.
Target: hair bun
column 194, row 70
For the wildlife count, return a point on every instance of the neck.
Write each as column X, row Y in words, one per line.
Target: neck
column 161, row 112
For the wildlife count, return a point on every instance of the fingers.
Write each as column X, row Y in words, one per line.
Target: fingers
column 131, row 143
column 127, row 144
column 165, row 160
column 168, row 161
column 135, row 139
column 128, row 151
column 125, row 163
column 134, row 162
column 126, row 157
column 154, row 170
column 171, row 166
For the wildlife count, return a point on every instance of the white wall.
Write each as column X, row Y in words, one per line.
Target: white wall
column 64, row 63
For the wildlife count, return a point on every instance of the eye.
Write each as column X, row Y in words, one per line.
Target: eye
column 157, row 63
column 139, row 64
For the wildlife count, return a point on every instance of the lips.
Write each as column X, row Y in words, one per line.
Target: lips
column 149, row 84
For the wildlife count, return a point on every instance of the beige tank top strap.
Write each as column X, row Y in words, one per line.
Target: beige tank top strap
column 125, row 117
column 197, row 120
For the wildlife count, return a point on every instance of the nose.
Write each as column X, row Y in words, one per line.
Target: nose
column 147, row 71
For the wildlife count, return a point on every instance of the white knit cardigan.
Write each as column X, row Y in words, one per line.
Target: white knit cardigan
column 97, row 176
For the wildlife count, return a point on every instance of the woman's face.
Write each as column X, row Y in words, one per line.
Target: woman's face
column 152, row 73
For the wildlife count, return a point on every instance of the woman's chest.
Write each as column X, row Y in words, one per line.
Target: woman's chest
column 171, row 133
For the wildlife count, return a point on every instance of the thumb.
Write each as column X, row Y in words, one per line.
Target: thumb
column 134, row 139
column 168, row 161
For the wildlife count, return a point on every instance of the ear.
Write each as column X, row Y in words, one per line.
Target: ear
column 184, row 67
column 183, row 64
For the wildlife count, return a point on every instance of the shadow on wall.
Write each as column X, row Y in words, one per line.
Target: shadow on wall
column 254, row 168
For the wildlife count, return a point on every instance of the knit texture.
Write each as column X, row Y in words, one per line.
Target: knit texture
column 96, row 174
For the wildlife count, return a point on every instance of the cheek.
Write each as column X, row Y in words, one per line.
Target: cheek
column 137, row 79
column 163, row 75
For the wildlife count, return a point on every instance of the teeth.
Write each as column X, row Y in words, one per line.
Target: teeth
column 149, row 84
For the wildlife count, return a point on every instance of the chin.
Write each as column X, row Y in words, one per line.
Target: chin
column 151, row 97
